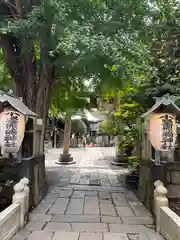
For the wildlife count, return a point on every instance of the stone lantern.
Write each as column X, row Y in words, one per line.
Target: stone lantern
column 21, row 149
column 160, row 139
column 160, row 130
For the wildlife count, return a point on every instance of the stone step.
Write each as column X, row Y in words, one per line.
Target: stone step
column 76, row 218
column 79, row 218
column 94, row 188
column 50, row 235
column 108, row 225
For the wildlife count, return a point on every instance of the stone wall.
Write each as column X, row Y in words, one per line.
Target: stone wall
column 173, row 179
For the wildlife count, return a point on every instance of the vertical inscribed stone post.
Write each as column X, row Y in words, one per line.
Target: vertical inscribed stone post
column 161, row 201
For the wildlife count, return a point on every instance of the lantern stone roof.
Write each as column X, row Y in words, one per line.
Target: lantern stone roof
column 166, row 102
column 16, row 103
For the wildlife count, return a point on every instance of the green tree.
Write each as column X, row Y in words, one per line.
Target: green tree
column 49, row 42
column 67, row 100
column 49, row 39
column 6, row 81
column 163, row 77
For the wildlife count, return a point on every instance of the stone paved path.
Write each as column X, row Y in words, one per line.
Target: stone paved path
column 88, row 201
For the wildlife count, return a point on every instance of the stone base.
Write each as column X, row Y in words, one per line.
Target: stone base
column 120, row 160
column 65, row 159
column 117, row 163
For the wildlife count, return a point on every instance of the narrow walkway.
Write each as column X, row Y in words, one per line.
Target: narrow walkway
column 88, row 201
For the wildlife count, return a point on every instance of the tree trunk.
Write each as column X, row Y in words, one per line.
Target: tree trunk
column 67, row 135
column 66, row 158
column 34, row 87
column 33, row 80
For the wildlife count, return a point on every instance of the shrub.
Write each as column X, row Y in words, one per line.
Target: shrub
column 133, row 163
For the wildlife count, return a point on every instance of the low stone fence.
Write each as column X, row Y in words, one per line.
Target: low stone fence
column 167, row 222
column 16, row 215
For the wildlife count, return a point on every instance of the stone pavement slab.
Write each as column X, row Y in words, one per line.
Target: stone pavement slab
column 22, row 234
column 76, row 218
column 78, row 194
column 124, row 228
column 40, row 235
column 115, row 236
column 106, row 201
column 91, row 206
column 94, row 179
column 153, row 235
column 56, row 190
column 39, row 217
column 98, row 189
column 35, row 225
column 55, row 227
column 120, row 202
column 139, row 209
column 91, row 194
column 44, row 206
column 119, row 199
column 75, row 206
column 110, row 219
column 65, row 193
column 59, row 206
column 92, row 227
column 90, row 236
column 130, row 196
column 137, row 236
column 52, row 195
column 104, row 195
column 137, row 220
column 65, row 236
column 107, row 209
column 124, row 211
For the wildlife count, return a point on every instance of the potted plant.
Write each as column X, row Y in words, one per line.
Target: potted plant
column 132, row 179
column 125, row 145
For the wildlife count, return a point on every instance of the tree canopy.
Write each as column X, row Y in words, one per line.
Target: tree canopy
column 49, row 45
column 49, row 39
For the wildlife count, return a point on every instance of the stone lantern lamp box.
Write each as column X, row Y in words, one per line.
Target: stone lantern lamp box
column 20, row 142
column 161, row 127
column 160, row 150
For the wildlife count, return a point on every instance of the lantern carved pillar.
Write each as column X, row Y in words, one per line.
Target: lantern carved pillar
column 161, row 135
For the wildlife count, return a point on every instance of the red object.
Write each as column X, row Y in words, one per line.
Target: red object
column 92, row 145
